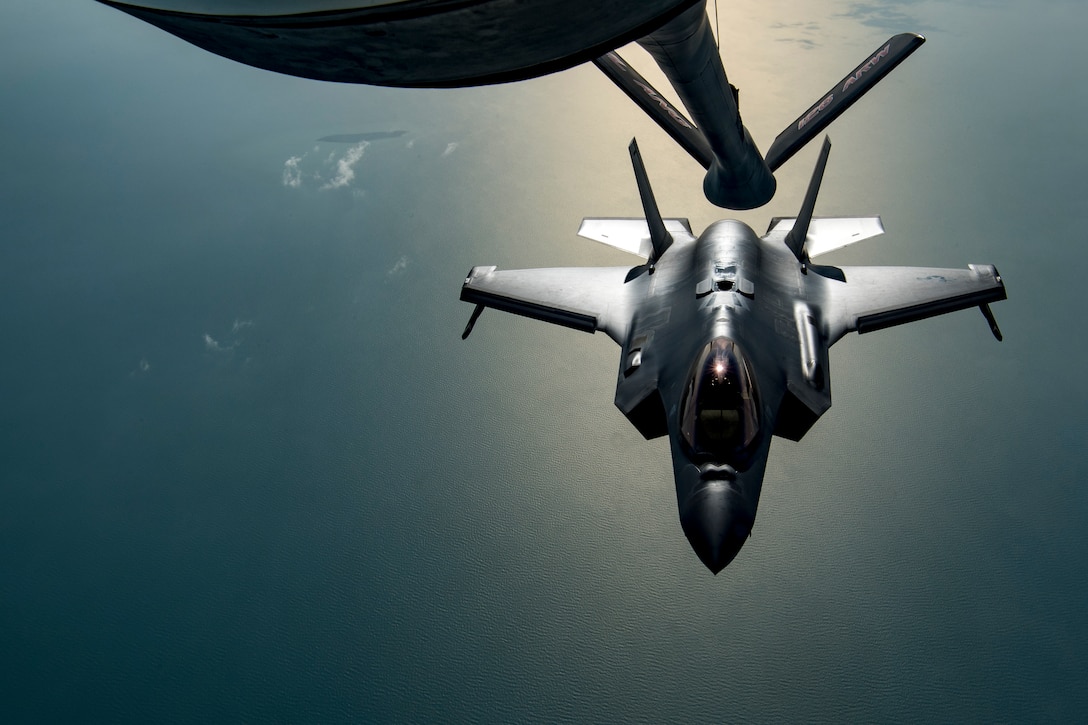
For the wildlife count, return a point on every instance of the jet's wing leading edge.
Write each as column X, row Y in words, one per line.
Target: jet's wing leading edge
column 872, row 298
column 582, row 298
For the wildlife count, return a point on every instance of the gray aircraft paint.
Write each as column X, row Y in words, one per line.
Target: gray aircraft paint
column 374, row 522
column 761, row 295
column 392, row 45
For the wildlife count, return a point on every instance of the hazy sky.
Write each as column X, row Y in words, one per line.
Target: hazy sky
column 249, row 471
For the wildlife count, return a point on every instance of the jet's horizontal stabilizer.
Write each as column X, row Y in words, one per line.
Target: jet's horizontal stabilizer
column 631, row 235
column 826, row 234
column 656, row 106
column 843, row 95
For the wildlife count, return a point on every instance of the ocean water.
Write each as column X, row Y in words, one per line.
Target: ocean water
column 249, row 471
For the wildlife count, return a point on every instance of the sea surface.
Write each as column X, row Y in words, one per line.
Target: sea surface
column 249, row 472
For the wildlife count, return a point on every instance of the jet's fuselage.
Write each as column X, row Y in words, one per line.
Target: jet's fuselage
column 720, row 382
column 724, row 338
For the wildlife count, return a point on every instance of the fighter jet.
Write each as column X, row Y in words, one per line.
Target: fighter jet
column 724, row 336
column 442, row 44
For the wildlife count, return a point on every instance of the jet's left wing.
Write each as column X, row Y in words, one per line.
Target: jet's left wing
column 872, row 298
column 582, row 298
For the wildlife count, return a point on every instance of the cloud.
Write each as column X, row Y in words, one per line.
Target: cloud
column 400, row 266
column 804, row 34
column 336, row 170
column 210, row 343
column 803, row 42
column 215, row 346
column 884, row 15
column 450, row 148
column 357, row 137
column 345, row 167
column 142, row 368
column 292, row 174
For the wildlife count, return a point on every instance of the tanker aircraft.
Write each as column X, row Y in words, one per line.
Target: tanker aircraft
column 724, row 337
column 444, row 44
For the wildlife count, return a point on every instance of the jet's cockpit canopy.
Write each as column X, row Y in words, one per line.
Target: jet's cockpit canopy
column 719, row 412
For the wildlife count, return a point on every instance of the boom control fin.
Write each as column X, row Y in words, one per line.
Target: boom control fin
column 876, row 66
column 656, row 106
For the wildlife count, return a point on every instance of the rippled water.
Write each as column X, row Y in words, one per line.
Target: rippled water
column 251, row 473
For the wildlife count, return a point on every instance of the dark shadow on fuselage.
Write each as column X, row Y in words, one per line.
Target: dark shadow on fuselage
column 827, row 271
column 636, row 272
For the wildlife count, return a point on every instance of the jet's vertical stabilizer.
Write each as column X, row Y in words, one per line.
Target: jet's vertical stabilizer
column 795, row 240
column 659, row 236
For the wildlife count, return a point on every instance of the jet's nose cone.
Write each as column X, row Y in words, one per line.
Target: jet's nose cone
column 716, row 524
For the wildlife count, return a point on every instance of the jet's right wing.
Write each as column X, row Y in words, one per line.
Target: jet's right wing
column 872, row 298
column 582, row 298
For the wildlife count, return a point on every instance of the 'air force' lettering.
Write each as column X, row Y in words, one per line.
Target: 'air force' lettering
column 616, row 61
column 665, row 105
column 650, row 91
column 868, row 66
column 815, row 111
column 851, row 80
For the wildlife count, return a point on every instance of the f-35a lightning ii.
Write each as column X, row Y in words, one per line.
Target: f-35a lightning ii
column 724, row 337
